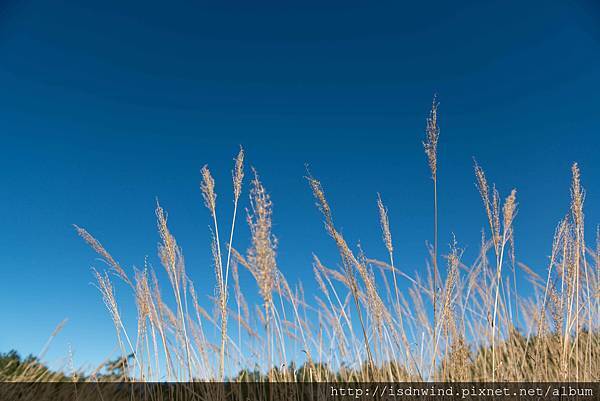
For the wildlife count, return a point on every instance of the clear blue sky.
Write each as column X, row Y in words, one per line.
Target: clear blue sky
column 108, row 105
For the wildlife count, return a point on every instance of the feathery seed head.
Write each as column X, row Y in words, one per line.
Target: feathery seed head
column 217, row 262
column 321, row 201
column 208, row 190
column 238, row 174
column 385, row 224
column 261, row 255
column 451, row 280
column 97, row 246
column 108, row 295
column 432, row 134
column 577, row 196
column 484, row 189
column 142, row 295
column 169, row 253
column 509, row 209
column 496, row 213
column 482, row 185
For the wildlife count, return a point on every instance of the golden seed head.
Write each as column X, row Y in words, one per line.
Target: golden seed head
column 97, row 246
column 385, row 224
column 208, row 190
column 142, row 295
column 169, row 253
column 238, row 174
column 322, row 204
column 509, row 209
column 108, row 295
column 261, row 255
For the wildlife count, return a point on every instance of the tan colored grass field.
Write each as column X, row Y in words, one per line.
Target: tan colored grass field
column 361, row 326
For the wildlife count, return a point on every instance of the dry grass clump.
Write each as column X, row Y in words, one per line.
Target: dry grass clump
column 370, row 320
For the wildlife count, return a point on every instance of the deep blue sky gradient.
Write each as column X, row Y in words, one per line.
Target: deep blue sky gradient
column 105, row 106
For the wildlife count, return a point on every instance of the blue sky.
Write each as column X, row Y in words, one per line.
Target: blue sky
column 106, row 106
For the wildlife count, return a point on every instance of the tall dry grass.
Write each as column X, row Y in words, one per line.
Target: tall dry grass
column 370, row 320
